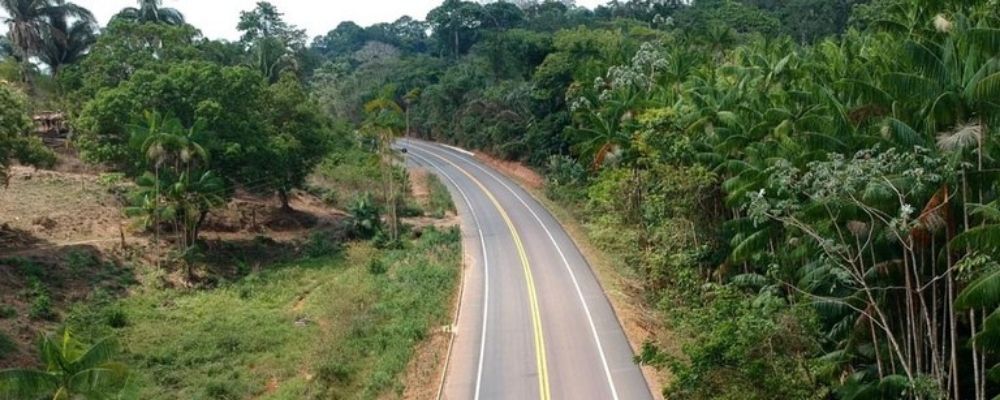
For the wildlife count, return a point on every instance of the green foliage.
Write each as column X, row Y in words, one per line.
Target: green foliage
column 124, row 49
column 16, row 141
column 80, row 262
column 365, row 219
column 749, row 351
column 341, row 331
column 150, row 11
column 439, row 201
column 300, row 138
column 41, row 301
column 323, row 244
column 72, row 369
column 229, row 102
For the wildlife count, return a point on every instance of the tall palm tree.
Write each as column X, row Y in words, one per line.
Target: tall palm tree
column 151, row 11
column 28, row 21
column 66, row 41
column 72, row 370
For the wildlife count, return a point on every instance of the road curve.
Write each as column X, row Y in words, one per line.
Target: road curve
column 534, row 322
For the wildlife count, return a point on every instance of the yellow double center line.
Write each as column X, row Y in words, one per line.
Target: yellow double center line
column 536, row 316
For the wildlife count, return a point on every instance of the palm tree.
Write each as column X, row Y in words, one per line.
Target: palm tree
column 150, row 11
column 29, row 21
column 72, row 370
column 385, row 121
column 65, row 42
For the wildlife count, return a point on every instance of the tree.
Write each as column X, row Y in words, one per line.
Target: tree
column 347, row 38
column 72, row 370
column 385, row 122
column 273, row 43
column 66, row 41
column 151, row 11
column 230, row 102
column 127, row 47
column 29, row 21
column 299, row 139
column 16, row 141
column 180, row 189
column 456, row 26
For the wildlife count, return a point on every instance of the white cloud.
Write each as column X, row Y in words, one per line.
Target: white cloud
column 217, row 18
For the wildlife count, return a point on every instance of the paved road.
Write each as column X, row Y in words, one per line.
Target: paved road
column 534, row 322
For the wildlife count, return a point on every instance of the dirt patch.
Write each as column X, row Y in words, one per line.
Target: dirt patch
column 450, row 220
column 250, row 214
column 419, row 186
column 423, row 374
column 56, row 207
column 524, row 175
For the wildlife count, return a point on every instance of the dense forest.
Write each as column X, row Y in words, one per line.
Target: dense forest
column 806, row 190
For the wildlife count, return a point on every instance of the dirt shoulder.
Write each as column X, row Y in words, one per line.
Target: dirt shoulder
column 641, row 322
column 425, row 372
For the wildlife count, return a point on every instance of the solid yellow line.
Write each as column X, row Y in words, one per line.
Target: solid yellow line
column 536, row 316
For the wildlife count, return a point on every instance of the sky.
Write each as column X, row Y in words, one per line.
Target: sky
column 217, row 18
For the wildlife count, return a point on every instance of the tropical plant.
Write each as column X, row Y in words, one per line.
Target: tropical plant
column 152, row 11
column 179, row 190
column 386, row 121
column 66, row 41
column 72, row 370
column 30, row 21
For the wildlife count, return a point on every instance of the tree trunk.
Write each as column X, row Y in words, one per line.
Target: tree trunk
column 283, row 196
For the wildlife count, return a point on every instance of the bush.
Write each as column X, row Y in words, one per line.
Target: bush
column 80, row 261
column 27, row 268
column 322, row 244
column 7, row 312
column 116, row 318
column 365, row 221
column 41, row 303
column 745, row 347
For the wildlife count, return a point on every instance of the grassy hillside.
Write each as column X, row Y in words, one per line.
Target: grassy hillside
column 342, row 326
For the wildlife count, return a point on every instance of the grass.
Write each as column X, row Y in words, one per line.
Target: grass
column 439, row 198
column 7, row 345
column 318, row 329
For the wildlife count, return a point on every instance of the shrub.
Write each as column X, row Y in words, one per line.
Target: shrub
column 322, row 244
column 365, row 222
column 41, row 303
column 26, row 268
column 116, row 318
column 80, row 261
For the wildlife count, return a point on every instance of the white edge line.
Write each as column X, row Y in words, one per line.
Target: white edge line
column 460, row 150
column 576, row 283
column 486, row 275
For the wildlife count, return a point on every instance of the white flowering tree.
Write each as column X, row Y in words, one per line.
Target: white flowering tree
column 857, row 229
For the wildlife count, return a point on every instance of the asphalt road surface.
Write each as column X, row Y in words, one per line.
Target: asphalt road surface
column 534, row 323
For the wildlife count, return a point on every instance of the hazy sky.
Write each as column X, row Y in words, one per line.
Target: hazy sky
column 217, row 18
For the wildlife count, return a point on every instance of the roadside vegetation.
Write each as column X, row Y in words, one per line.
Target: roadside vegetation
column 805, row 191
column 181, row 218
